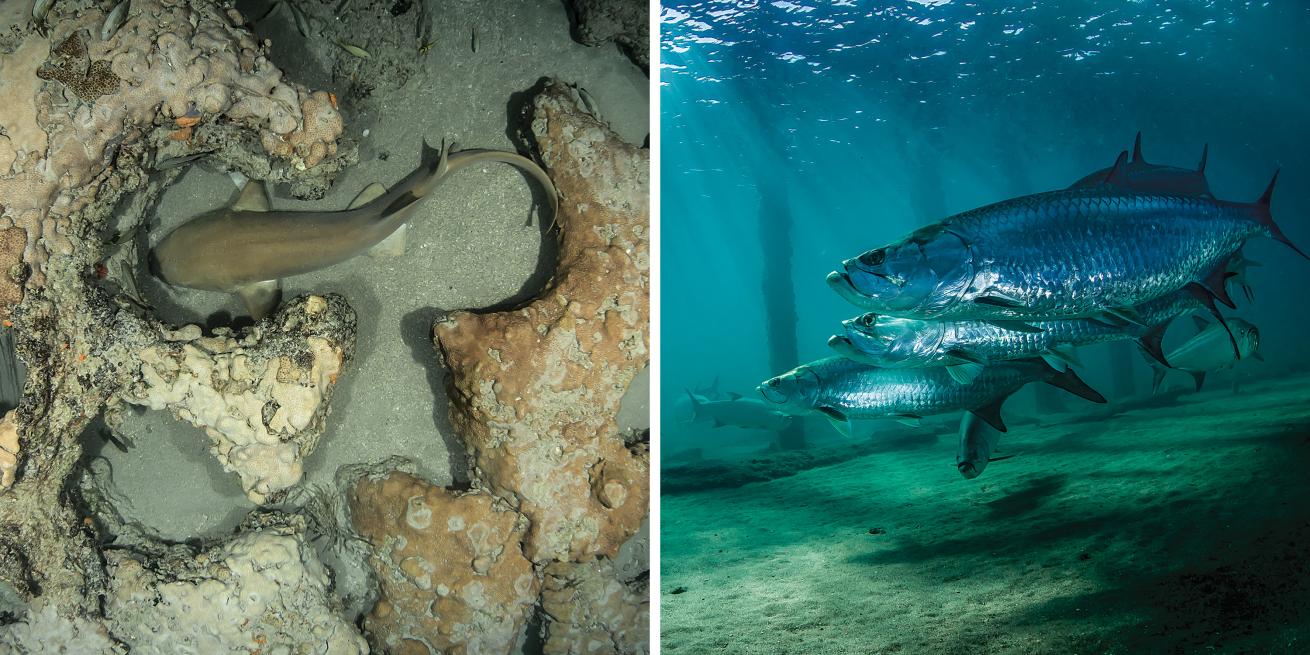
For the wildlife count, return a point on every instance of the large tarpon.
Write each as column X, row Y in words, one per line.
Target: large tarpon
column 1076, row 253
column 966, row 346
column 842, row 389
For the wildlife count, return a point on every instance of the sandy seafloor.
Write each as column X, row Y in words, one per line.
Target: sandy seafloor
column 469, row 245
column 1178, row 526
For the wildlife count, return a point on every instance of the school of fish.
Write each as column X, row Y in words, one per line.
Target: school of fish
column 962, row 313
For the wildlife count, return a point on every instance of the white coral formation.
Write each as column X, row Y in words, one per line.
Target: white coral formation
column 8, row 449
column 262, row 398
column 262, row 592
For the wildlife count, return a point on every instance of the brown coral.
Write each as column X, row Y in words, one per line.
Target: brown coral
column 592, row 612
column 534, row 391
column 453, row 579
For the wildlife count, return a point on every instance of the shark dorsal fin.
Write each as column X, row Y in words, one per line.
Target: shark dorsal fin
column 370, row 193
column 253, row 198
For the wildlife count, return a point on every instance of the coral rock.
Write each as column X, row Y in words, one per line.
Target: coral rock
column 262, row 592
column 8, row 450
column 591, row 612
column 625, row 22
column 263, row 398
column 534, row 391
column 453, row 578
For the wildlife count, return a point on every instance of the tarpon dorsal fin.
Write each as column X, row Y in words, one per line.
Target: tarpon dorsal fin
column 260, row 298
column 253, row 198
column 1116, row 174
column 368, row 194
column 1137, row 149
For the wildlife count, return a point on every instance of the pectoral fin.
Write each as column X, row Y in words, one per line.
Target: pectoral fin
column 964, row 373
column 997, row 298
column 960, row 353
column 838, row 420
column 393, row 245
column 1199, row 378
column 368, row 194
column 911, row 420
column 260, row 298
column 253, row 198
column 991, row 413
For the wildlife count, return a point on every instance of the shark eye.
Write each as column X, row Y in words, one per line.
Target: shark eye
column 873, row 257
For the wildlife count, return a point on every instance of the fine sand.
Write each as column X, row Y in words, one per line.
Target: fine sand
column 470, row 245
column 1180, row 525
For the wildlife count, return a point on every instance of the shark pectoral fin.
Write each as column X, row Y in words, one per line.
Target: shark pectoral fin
column 1016, row 326
column 368, row 194
column 838, row 420
column 393, row 245
column 991, row 413
column 253, row 198
column 261, row 298
column 964, row 373
column 911, row 420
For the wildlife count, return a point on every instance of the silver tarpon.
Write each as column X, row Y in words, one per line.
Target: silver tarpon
column 1084, row 252
column 841, row 390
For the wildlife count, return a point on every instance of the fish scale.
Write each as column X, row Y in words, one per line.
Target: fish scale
column 915, row 342
column 1075, row 252
column 862, row 391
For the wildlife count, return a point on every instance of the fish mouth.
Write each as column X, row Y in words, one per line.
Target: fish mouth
column 764, row 391
column 968, row 470
column 841, row 283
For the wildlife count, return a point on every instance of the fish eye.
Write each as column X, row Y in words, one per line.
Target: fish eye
column 868, row 319
column 873, row 257
column 773, row 382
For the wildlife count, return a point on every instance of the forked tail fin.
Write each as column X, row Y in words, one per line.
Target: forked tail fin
column 1266, row 219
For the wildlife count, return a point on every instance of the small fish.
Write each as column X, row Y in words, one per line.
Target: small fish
column 842, row 390
column 1075, row 253
column 1210, row 350
column 114, row 20
column 353, row 49
column 246, row 248
column 977, row 441
column 738, row 412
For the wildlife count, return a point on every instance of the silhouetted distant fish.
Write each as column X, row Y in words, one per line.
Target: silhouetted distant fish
column 1209, row 350
column 737, row 411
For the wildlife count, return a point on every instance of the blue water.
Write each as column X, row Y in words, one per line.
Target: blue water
column 872, row 122
column 1173, row 523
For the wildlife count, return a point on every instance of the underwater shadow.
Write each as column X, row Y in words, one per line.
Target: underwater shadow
column 1030, row 498
column 416, row 332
